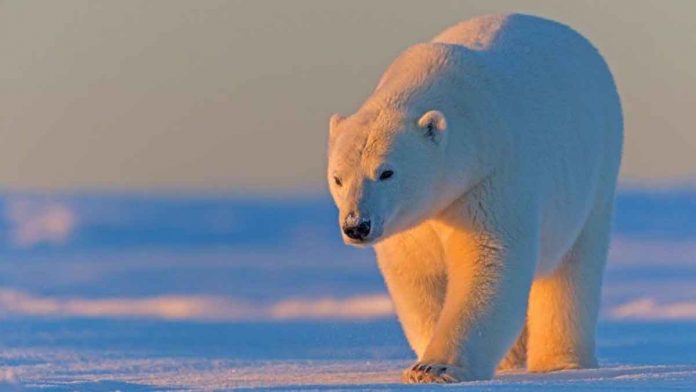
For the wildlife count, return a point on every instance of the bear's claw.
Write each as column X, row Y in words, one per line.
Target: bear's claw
column 421, row 373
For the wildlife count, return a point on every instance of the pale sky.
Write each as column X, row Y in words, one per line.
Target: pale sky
column 235, row 96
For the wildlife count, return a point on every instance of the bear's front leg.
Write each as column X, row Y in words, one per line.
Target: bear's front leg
column 489, row 278
column 414, row 270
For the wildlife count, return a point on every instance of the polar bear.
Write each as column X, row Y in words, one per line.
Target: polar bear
column 482, row 169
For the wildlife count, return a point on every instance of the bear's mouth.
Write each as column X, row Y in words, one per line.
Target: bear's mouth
column 358, row 243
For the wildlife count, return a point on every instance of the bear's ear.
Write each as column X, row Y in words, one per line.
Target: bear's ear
column 433, row 124
column 333, row 124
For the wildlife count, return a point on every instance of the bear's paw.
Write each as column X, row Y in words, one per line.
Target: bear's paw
column 424, row 373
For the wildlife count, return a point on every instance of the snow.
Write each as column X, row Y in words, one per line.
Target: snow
column 36, row 222
column 132, row 292
column 648, row 308
column 93, row 354
column 196, row 307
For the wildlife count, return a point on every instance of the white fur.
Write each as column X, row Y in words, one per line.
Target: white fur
column 504, row 134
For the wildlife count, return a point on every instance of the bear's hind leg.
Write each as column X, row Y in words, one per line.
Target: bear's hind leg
column 516, row 357
column 563, row 306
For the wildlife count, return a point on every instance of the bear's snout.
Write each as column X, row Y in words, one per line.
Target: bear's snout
column 356, row 228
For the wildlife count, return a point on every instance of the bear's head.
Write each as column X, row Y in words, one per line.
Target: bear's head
column 419, row 142
column 384, row 167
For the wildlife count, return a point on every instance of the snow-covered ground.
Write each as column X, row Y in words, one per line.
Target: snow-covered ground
column 128, row 292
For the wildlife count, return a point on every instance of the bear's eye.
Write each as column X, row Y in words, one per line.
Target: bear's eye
column 387, row 174
column 337, row 181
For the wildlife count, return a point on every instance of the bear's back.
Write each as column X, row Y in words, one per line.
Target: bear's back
column 476, row 33
column 527, row 47
column 510, row 32
column 546, row 75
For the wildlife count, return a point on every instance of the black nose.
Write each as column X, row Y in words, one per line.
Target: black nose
column 357, row 232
